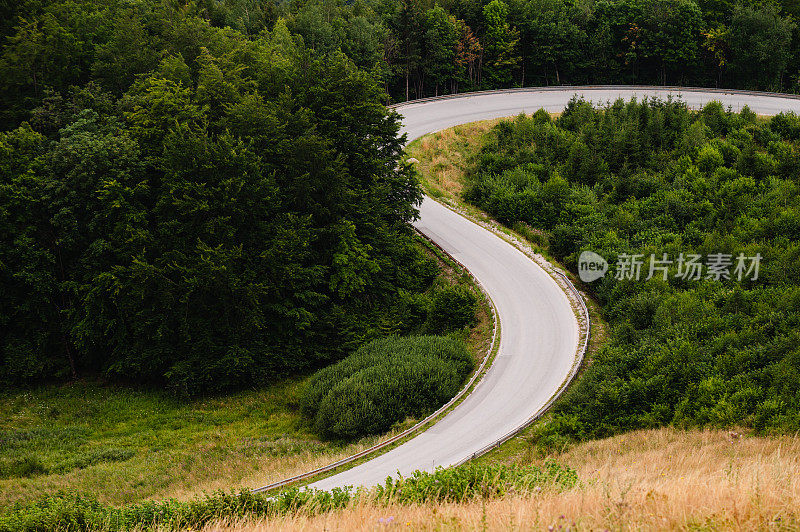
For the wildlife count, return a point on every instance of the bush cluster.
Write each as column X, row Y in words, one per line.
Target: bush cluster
column 384, row 382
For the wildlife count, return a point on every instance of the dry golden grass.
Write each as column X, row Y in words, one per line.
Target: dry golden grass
column 647, row 480
column 270, row 469
column 444, row 156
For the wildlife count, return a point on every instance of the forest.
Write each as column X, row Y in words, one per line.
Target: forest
column 654, row 178
column 413, row 48
column 208, row 212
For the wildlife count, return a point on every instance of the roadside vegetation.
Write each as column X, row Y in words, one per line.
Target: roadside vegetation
column 653, row 479
column 654, row 178
column 465, row 483
column 384, row 382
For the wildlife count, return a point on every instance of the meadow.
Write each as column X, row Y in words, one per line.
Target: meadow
column 124, row 445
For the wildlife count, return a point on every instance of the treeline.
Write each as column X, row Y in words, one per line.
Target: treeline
column 187, row 206
column 656, row 179
column 431, row 47
column 415, row 48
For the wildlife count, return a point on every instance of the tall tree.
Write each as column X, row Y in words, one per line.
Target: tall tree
column 441, row 40
column 500, row 45
column 760, row 40
column 468, row 54
column 407, row 26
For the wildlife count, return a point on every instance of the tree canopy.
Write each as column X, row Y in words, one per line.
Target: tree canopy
column 233, row 211
column 657, row 181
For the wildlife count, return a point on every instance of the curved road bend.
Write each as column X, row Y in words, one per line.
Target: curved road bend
column 540, row 333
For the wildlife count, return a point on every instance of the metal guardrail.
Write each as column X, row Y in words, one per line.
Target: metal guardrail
column 408, row 432
column 577, row 88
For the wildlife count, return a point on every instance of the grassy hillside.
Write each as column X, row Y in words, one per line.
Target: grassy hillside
column 660, row 479
column 123, row 445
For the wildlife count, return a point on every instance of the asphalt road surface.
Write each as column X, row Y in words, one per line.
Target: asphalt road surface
column 540, row 333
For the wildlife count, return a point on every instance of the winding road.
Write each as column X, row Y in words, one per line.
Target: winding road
column 540, row 334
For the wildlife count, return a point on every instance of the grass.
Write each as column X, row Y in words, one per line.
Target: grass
column 661, row 479
column 464, row 483
column 444, row 156
column 124, row 445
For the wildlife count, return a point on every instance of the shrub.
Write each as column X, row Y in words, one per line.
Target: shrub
column 384, row 382
column 453, row 308
column 473, row 481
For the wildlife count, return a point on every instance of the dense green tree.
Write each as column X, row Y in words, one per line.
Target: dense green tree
column 760, row 43
column 500, row 43
column 407, row 25
column 550, row 41
column 218, row 225
column 127, row 53
column 441, row 42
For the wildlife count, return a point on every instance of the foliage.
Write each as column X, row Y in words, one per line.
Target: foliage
column 230, row 214
column 760, row 43
column 384, row 382
column 74, row 512
column 415, row 48
column 653, row 177
column 452, row 308
column 499, row 45
column 473, row 481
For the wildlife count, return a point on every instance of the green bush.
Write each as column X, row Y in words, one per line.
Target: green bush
column 453, row 309
column 384, row 382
